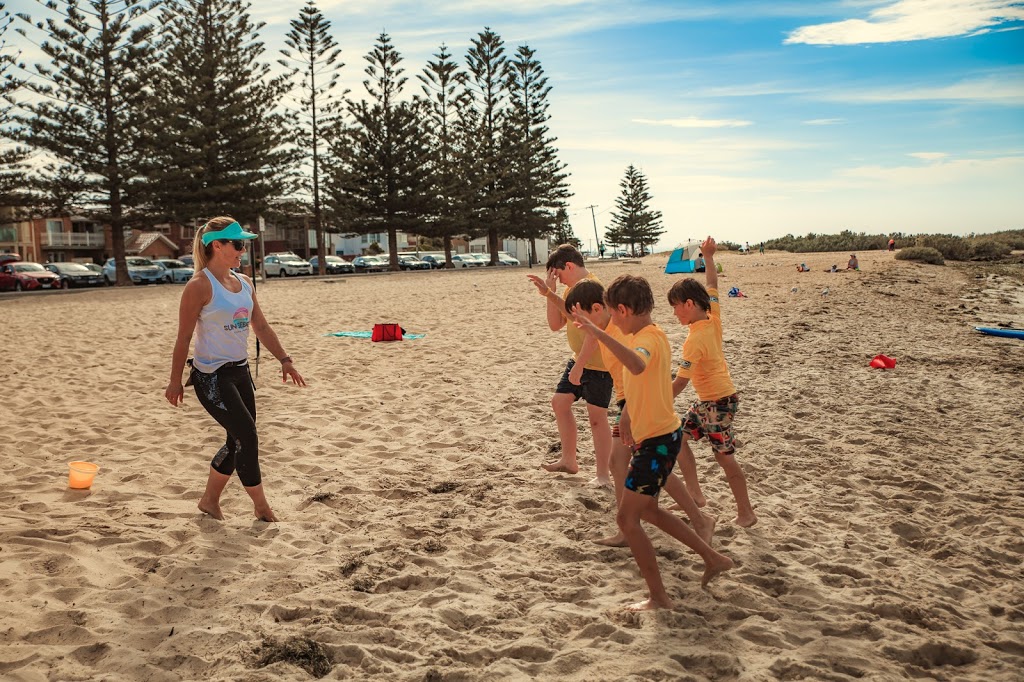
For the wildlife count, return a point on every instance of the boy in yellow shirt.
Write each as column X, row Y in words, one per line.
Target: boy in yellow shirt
column 593, row 383
column 654, row 431
column 704, row 364
column 588, row 298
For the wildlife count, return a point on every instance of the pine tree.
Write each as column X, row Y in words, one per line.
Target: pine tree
column 221, row 136
column 443, row 85
column 488, row 93
column 381, row 183
column 563, row 233
column 538, row 186
column 12, row 171
column 90, row 102
column 312, row 47
column 633, row 221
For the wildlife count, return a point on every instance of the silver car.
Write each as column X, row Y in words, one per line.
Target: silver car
column 141, row 270
column 178, row 271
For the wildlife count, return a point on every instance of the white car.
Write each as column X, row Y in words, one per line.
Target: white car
column 505, row 259
column 286, row 265
column 466, row 260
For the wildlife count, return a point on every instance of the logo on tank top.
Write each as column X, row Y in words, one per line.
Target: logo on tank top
column 240, row 320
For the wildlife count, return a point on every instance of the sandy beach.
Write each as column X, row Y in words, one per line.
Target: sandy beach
column 419, row 538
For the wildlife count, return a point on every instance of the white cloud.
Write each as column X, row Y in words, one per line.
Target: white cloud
column 929, row 156
column 941, row 172
column 908, row 20
column 694, row 122
column 824, row 121
column 1007, row 88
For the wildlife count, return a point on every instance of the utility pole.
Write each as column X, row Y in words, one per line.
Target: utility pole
column 593, row 217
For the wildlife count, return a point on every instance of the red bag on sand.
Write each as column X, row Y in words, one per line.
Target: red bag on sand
column 386, row 332
column 883, row 362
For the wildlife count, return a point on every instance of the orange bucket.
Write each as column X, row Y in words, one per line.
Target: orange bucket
column 82, row 474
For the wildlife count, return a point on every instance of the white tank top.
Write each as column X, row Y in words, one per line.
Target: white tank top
column 222, row 333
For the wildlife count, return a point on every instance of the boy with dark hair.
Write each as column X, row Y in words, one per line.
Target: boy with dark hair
column 592, row 381
column 655, row 432
column 712, row 413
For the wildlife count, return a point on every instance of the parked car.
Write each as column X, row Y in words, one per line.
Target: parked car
column 411, row 262
column 370, row 264
column 98, row 269
column 484, row 258
column 75, row 275
column 141, row 270
column 433, row 260
column 286, row 265
column 505, row 259
column 189, row 260
column 466, row 260
column 333, row 264
column 178, row 271
column 8, row 257
column 22, row 276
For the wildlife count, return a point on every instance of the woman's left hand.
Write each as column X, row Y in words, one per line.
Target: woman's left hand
column 288, row 370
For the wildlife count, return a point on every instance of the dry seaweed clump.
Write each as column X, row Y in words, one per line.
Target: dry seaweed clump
column 302, row 652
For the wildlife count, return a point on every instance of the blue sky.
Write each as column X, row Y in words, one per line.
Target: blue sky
column 752, row 119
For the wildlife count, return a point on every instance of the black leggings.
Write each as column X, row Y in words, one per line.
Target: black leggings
column 228, row 396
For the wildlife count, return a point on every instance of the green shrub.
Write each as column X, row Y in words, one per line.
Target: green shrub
column 925, row 254
column 989, row 249
column 953, row 248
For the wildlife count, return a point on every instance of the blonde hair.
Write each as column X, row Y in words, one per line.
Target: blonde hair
column 201, row 252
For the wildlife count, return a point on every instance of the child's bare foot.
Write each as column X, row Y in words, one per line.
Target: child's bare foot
column 211, row 509
column 561, row 467
column 719, row 564
column 706, row 528
column 602, row 482
column 617, row 540
column 745, row 520
column 265, row 514
column 649, row 605
column 698, row 497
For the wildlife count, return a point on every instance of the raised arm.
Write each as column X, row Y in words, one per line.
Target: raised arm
column 630, row 359
column 708, row 248
column 556, row 314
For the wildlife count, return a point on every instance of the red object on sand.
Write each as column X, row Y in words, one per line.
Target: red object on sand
column 883, row 362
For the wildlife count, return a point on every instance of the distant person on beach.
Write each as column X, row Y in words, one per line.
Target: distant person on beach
column 587, row 299
column 892, row 244
column 700, row 263
column 594, row 384
column 761, row 250
column 712, row 413
column 654, row 431
column 220, row 306
column 853, row 264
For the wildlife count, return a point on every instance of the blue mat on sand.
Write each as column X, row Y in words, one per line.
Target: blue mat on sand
column 367, row 335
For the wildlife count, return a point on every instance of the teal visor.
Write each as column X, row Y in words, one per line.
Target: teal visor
column 232, row 231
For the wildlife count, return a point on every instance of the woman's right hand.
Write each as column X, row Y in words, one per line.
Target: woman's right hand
column 175, row 393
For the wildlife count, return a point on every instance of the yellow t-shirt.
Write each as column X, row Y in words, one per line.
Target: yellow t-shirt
column 649, row 394
column 576, row 337
column 612, row 363
column 703, row 357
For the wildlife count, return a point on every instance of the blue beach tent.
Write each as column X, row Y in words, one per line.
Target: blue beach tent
column 683, row 259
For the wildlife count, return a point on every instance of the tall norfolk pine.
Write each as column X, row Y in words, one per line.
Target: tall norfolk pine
column 90, row 105
column 311, row 46
column 12, row 172
column 633, row 221
column 222, row 145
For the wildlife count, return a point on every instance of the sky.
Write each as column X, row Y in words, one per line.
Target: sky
column 751, row 119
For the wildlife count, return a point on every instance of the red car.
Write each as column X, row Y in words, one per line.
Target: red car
column 22, row 276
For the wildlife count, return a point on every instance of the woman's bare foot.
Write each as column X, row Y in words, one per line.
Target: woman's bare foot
column 719, row 564
column 745, row 520
column 211, row 509
column 266, row 514
column 617, row 540
column 561, row 467
column 649, row 605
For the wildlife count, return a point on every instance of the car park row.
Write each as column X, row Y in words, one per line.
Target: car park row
column 18, row 275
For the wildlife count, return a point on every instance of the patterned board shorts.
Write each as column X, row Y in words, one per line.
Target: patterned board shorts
column 713, row 418
column 653, row 462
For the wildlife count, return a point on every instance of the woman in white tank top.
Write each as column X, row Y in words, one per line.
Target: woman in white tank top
column 221, row 306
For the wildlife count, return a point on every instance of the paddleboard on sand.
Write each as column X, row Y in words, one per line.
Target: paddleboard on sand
column 999, row 331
